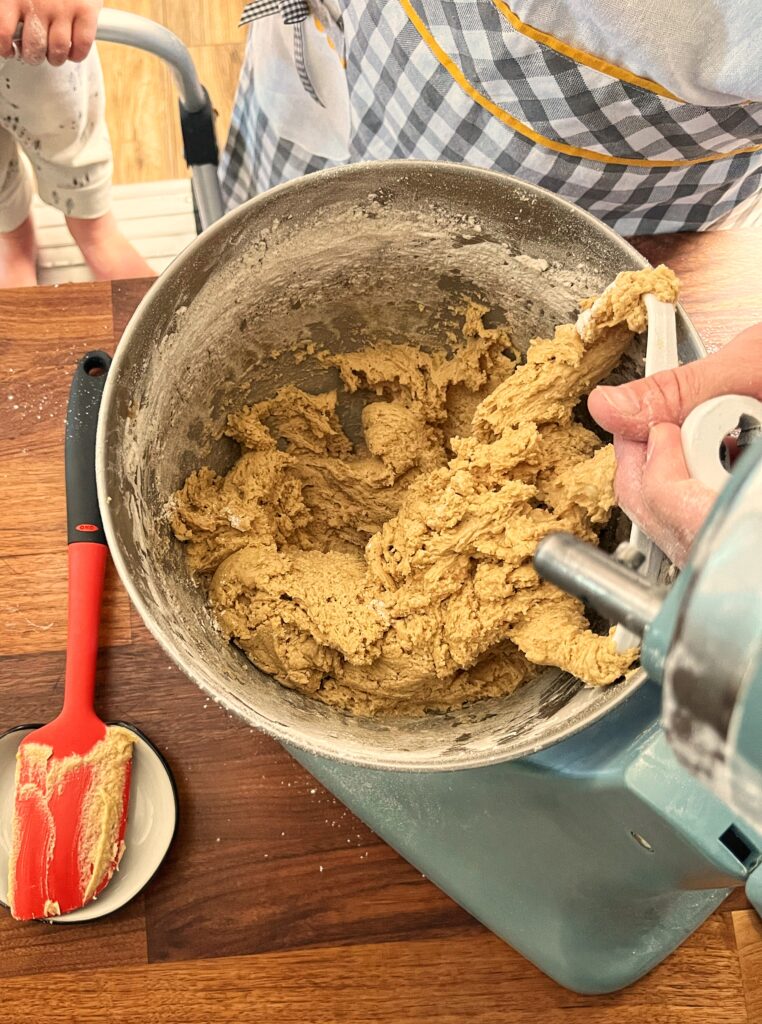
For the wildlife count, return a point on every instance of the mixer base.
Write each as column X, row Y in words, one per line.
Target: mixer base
column 594, row 859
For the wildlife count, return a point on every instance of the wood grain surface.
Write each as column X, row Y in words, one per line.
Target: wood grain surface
column 141, row 105
column 276, row 903
column 141, row 99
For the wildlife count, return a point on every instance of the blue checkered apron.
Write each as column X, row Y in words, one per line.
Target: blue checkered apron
column 459, row 80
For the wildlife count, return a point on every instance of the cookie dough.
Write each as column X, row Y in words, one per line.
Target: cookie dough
column 395, row 576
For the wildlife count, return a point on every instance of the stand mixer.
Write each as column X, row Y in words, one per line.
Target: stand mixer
column 560, row 816
column 596, row 858
column 701, row 639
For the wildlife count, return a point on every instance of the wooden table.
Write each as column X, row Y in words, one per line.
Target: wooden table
column 275, row 903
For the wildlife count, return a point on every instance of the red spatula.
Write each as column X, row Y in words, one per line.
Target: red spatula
column 73, row 775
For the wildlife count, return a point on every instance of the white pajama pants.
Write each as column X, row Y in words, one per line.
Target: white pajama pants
column 53, row 128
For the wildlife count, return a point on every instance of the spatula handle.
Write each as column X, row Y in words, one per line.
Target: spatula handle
column 87, row 541
column 82, row 514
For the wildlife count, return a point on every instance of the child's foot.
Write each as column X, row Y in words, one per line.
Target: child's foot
column 18, row 256
column 107, row 252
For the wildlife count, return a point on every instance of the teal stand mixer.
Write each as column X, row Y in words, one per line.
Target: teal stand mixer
column 597, row 857
column 568, row 819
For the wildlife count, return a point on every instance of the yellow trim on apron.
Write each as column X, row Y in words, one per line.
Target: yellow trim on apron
column 323, row 31
column 581, row 56
column 524, row 129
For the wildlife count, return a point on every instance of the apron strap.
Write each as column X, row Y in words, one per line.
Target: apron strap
column 293, row 12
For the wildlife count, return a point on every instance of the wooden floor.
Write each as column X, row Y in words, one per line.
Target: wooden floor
column 141, row 98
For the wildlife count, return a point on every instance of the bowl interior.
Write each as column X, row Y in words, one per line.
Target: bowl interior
column 342, row 258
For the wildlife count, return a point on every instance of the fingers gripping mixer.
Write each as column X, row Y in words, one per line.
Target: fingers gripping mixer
column 701, row 638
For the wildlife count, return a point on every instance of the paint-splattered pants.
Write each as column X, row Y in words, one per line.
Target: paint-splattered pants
column 52, row 128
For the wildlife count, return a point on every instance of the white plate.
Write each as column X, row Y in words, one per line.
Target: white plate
column 151, row 823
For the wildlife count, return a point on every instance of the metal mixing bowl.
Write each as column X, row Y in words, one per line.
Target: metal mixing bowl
column 346, row 256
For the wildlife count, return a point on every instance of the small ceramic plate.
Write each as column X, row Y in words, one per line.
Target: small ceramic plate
column 151, row 824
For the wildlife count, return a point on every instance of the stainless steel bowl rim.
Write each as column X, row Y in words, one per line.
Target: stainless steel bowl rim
column 278, row 729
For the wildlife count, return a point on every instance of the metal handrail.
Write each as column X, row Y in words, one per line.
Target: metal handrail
column 197, row 119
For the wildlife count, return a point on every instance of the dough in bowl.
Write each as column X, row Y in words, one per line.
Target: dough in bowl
column 395, row 577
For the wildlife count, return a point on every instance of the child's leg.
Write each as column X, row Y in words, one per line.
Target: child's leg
column 18, row 254
column 62, row 128
column 107, row 252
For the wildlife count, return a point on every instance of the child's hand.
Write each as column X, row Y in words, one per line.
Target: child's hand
column 60, row 30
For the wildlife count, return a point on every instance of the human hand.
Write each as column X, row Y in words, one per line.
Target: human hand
column 60, row 30
column 652, row 481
